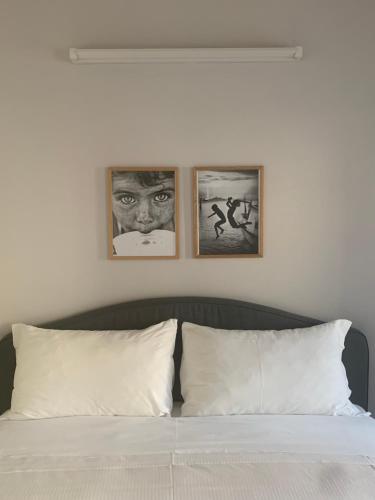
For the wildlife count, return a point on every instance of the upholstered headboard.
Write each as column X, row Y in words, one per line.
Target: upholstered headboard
column 218, row 313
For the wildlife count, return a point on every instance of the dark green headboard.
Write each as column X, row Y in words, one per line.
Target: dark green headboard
column 218, row 313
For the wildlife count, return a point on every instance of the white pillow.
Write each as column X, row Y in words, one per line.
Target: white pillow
column 67, row 372
column 278, row 372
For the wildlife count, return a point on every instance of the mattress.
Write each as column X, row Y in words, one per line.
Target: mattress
column 263, row 457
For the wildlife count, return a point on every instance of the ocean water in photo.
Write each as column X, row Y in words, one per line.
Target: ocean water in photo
column 232, row 241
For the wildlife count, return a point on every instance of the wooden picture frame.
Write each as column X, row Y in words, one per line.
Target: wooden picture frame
column 232, row 198
column 143, row 218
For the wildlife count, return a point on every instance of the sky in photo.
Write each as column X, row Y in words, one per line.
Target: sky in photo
column 237, row 184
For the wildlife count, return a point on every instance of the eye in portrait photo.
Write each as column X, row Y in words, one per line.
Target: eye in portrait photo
column 143, row 212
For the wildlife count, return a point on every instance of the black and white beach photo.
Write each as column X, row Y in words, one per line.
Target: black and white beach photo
column 228, row 211
column 142, row 212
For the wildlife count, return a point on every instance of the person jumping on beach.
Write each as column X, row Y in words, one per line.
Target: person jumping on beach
column 232, row 206
column 222, row 220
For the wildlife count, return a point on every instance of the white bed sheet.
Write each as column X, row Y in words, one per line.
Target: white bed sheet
column 237, row 457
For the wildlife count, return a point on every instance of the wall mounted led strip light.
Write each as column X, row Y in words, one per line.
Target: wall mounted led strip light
column 225, row 55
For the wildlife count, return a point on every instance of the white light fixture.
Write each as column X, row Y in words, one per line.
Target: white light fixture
column 239, row 55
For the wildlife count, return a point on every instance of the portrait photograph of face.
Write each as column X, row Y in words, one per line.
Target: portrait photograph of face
column 142, row 212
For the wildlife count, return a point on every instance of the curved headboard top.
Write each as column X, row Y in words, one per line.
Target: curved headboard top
column 214, row 312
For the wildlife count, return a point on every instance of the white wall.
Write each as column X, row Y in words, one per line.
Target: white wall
column 311, row 125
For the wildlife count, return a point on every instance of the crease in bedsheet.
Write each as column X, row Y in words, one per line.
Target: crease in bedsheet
column 171, row 477
column 39, row 463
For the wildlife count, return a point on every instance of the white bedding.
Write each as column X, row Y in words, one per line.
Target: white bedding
column 233, row 458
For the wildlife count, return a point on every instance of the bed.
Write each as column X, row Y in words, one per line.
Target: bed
column 268, row 457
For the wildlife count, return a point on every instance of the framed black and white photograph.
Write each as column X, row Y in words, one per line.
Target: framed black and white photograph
column 143, row 212
column 228, row 211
